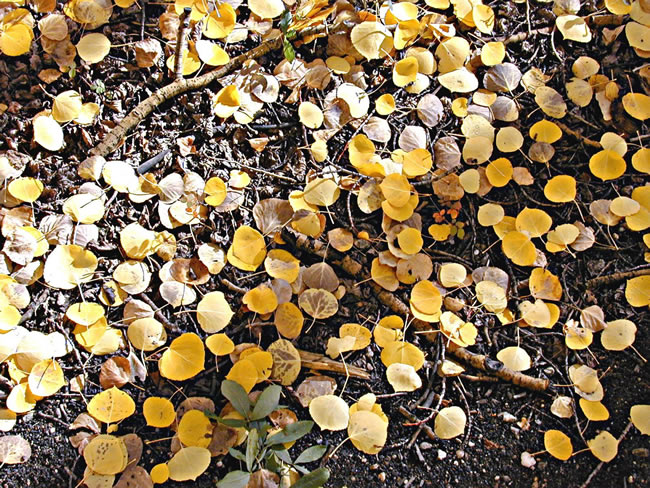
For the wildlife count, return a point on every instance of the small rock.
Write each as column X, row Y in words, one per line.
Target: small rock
column 460, row 454
column 374, row 467
column 382, row 476
column 527, row 461
column 507, row 417
column 441, row 454
column 425, row 446
column 471, row 444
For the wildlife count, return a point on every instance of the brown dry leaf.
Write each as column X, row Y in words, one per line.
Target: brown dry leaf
column 115, row 371
column 315, row 386
column 14, row 449
column 286, row 361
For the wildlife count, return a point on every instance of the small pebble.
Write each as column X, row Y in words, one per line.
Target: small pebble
column 382, row 476
column 441, row 454
column 374, row 467
column 527, row 461
column 460, row 454
column 425, row 446
column 507, row 417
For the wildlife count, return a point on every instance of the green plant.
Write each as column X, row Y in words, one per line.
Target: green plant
column 266, row 450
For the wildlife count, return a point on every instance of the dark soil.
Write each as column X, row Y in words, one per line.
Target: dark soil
column 489, row 453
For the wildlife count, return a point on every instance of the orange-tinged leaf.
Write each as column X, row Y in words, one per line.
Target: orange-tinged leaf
column 604, row 446
column 403, row 353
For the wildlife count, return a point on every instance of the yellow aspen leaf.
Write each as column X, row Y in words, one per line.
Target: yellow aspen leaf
column 21, row 399
column 545, row 131
column 640, row 416
column 213, row 312
column 158, row 412
column 519, row 248
column 318, row 303
column 499, row 172
column 560, row 189
column 533, row 221
column 189, row 463
column 263, row 362
column 360, row 333
column 515, row 358
column 244, row 373
column 618, row 335
column 111, row 406
column 330, row 412
column 384, row 336
column 216, row 191
column 573, row 28
column 403, row 353
column 637, row 104
column 385, row 105
column 26, row 189
column 402, row 377
column 261, row 299
column 641, row 160
column 367, row 431
column 594, row 411
column 93, row 47
column 146, row 334
column 159, row 473
column 450, row 422
column 624, row 206
column 452, row 275
column 426, row 297
column 372, row 39
column 607, row 165
column 637, row 291
column 405, row 71
column 310, row 115
column 184, row 359
column 221, row 21
column 106, row 455
column 544, row 285
column 211, row 53
column 604, row 446
column 195, row 429
column 46, row 378
column 577, row 338
column 410, row 240
column 282, row 264
column 266, row 9
column 321, row 192
column 558, row 444
column 417, row 162
column 85, row 313
column 66, row 106
column 219, row 344
column 48, row 133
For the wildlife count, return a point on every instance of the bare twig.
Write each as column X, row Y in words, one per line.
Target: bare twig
column 616, row 277
column 318, row 361
column 181, row 43
column 578, row 135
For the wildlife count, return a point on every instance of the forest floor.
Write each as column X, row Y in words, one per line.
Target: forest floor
column 503, row 420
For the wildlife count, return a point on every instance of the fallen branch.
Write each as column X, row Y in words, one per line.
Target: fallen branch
column 522, row 36
column 617, row 277
column 394, row 303
column 114, row 138
column 181, row 43
column 577, row 135
column 318, row 361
